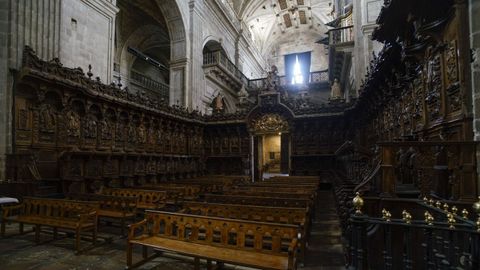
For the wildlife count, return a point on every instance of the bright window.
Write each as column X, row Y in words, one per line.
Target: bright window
column 297, row 73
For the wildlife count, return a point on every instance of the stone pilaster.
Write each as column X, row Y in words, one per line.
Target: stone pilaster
column 474, row 10
column 196, row 76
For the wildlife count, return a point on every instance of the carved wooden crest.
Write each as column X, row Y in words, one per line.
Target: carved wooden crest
column 270, row 123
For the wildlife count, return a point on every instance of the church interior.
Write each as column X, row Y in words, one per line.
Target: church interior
column 239, row 134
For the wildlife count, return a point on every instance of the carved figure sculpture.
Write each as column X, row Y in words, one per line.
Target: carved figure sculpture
column 218, row 104
column 336, row 91
column 272, row 79
column 73, row 124
column 47, row 118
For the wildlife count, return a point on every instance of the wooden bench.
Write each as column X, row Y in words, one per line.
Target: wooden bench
column 122, row 208
column 275, row 194
column 282, row 189
column 305, row 186
column 183, row 191
column 57, row 213
column 239, row 242
column 147, row 199
column 296, row 179
column 257, row 200
column 283, row 215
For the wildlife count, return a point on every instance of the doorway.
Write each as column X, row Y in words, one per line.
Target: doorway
column 271, row 155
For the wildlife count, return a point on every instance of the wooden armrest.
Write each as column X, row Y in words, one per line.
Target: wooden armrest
column 133, row 227
column 87, row 217
column 292, row 248
column 8, row 209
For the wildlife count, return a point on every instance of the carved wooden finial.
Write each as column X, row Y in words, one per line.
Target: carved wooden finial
column 386, row 215
column 89, row 73
column 476, row 208
column 429, row 218
column 119, row 84
column 407, row 217
column 451, row 221
column 358, row 203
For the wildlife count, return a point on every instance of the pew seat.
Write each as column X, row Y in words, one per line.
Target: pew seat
column 239, row 242
column 57, row 213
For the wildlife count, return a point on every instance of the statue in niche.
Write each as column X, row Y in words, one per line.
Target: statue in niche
column 159, row 135
column 272, row 79
column 141, row 133
column 336, row 90
column 23, row 119
column 120, row 132
column 91, row 127
column 73, row 124
column 105, row 130
column 218, row 104
column 47, row 118
column 132, row 136
column 151, row 135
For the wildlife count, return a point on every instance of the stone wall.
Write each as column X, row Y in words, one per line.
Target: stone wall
column 298, row 42
column 474, row 10
column 208, row 21
column 87, row 31
column 5, row 87
column 365, row 15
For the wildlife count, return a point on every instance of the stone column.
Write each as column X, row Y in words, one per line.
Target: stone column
column 5, row 88
column 474, row 10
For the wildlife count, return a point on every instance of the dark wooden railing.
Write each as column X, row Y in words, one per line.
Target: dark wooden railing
column 434, row 235
column 445, row 169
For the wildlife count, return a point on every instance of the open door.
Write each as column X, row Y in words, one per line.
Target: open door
column 285, row 153
column 257, row 154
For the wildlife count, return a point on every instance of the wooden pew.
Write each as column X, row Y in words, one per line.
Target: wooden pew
column 147, row 199
column 239, row 242
column 122, row 208
column 285, row 185
column 257, row 200
column 284, row 189
column 296, row 179
column 183, row 191
column 270, row 194
column 284, row 215
column 57, row 213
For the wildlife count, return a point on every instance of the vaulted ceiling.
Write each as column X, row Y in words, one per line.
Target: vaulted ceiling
column 269, row 20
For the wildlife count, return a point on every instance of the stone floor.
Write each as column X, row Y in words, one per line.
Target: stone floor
column 20, row 252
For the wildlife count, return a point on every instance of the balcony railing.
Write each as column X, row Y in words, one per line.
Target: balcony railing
column 159, row 88
column 341, row 35
column 314, row 78
column 219, row 58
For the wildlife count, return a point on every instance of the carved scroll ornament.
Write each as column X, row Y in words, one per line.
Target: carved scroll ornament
column 270, row 123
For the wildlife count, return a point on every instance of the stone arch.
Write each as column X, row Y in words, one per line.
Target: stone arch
column 144, row 38
column 215, row 39
column 178, row 50
column 176, row 28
